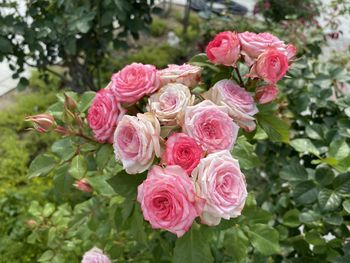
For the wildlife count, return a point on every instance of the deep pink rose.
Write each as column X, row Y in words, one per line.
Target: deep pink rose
column 182, row 150
column 104, row 114
column 224, row 49
column 135, row 81
column 220, row 182
column 185, row 74
column 95, row 255
column 239, row 102
column 211, row 126
column 271, row 66
column 168, row 200
column 83, row 186
column 255, row 44
column 266, row 94
column 136, row 142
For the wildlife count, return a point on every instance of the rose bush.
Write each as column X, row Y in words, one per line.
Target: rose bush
column 183, row 164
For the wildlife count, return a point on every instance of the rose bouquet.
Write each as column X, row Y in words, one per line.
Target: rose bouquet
column 176, row 128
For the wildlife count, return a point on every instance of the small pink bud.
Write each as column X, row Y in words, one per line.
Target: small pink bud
column 42, row 122
column 83, row 186
column 62, row 130
column 69, row 102
column 266, row 94
column 31, row 223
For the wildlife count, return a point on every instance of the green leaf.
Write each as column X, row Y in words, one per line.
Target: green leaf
column 293, row 172
column 305, row 192
column 291, row 218
column 304, row 145
column 314, row 238
column 78, row 167
column 100, row 185
column 137, row 229
column 64, row 148
column 256, row 215
column 275, row 128
column 339, row 149
column 103, row 155
column 346, row 206
column 236, row 244
column 245, row 153
column 329, row 200
column 126, row 184
column 201, row 60
column 193, row 247
column 324, row 175
column 309, row 217
column 264, row 238
column 46, row 256
column 41, row 166
column 49, row 208
column 5, row 45
column 85, row 100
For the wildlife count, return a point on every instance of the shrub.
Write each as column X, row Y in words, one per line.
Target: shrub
column 158, row 27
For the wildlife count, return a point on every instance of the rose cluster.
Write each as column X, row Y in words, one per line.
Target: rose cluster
column 184, row 141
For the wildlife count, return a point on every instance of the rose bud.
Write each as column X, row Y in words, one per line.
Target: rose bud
column 31, row 223
column 266, row 94
column 69, row 103
column 83, row 186
column 42, row 122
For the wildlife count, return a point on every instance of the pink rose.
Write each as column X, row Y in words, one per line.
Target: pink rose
column 104, row 114
column 211, row 126
column 220, row 182
column 95, row 255
column 182, row 150
column 136, row 142
column 185, row 74
column 170, row 102
column 168, row 200
column 255, row 44
column 239, row 102
column 135, row 81
column 271, row 66
column 224, row 49
column 266, row 94
column 42, row 122
column 291, row 52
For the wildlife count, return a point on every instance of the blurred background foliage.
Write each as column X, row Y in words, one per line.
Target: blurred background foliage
column 301, row 189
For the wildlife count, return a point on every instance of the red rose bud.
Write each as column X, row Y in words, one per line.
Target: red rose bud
column 42, row 122
column 62, row 130
column 266, row 94
column 69, row 103
column 83, row 186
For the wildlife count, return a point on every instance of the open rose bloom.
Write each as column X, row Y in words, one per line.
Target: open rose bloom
column 179, row 132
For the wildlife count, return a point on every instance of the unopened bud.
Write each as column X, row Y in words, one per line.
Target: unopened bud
column 83, row 186
column 31, row 223
column 42, row 122
column 69, row 103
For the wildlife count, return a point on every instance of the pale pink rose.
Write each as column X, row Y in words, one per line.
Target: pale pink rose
column 42, row 122
column 135, row 81
column 291, row 52
column 266, row 94
column 224, row 49
column 136, row 142
column 240, row 103
column 220, row 182
column 83, row 186
column 211, row 126
column 168, row 200
column 95, row 255
column 170, row 102
column 271, row 66
column 255, row 44
column 182, row 150
column 104, row 114
column 185, row 74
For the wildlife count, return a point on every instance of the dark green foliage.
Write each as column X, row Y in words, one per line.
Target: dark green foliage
column 77, row 35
